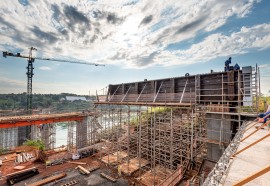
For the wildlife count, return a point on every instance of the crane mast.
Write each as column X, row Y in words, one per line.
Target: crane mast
column 30, row 75
column 25, row 132
column 30, row 69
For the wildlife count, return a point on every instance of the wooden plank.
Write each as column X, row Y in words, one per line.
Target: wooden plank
column 108, row 177
column 77, row 163
column 48, row 180
column 83, row 169
column 253, row 176
column 21, row 171
column 93, row 169
column 174, row 178
column 73, row 182
column 19, row 167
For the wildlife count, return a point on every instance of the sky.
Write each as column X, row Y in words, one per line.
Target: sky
column 135, row 39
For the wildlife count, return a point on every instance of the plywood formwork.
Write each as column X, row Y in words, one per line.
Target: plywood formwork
column 133, row 165
column 155, row 176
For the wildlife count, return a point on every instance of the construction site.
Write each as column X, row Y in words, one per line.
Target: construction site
column 153, row 132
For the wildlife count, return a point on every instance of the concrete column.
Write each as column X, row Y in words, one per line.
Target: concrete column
column 217, row 131
column 81, row 133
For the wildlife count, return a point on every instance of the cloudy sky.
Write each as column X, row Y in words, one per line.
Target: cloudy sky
column 135, row 39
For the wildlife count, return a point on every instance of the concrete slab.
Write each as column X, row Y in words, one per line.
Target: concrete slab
column 251, row 160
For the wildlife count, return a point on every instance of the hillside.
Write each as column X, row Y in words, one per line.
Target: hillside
column 43, row 101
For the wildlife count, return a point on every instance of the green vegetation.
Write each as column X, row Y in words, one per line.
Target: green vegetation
column 3, row 151
column 263, row 103
column 42, row 101
column 35, row 143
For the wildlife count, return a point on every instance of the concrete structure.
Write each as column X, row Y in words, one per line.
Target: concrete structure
column 246, row 160
column 167, row 125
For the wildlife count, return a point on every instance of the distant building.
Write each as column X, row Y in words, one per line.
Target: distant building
column 75, row 98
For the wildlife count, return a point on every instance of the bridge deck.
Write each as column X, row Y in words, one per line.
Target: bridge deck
column 251, row 160
column 19, row 121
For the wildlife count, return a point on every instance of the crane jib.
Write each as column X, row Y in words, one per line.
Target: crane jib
column 5, row 54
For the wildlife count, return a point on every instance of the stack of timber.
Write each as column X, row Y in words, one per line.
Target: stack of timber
column 48, row 180
column 21, row 175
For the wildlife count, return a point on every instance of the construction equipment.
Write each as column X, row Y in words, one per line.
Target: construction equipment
column 30, row 69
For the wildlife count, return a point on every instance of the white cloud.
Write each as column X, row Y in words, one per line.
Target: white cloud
column 130, row 33
column 44, row 68
column 9, row 85
column 217, row 45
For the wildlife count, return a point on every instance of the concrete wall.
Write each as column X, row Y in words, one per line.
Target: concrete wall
column 217, row 131
column 81, row 133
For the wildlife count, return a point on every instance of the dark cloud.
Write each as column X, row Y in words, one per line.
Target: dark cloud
column 63, row 31
column 75, row 16
column 118, row 56
column 7, row 24
column 96, row 13
column 131, row 3
column 146, row 20
column 18, row 37
column 113, row 19
column 56, row 12
column 191, row 26
column 48, row 36
column 146, row 60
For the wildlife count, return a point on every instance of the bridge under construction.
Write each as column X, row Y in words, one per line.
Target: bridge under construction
column 154, row 130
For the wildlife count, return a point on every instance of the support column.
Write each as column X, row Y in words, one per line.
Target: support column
column 81, row 133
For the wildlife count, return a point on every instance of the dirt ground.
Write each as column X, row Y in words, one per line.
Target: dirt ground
column 93, row 179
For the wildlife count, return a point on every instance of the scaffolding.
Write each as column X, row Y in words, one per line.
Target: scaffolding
column 142, row 139
column 8, row 139
column 71, row 136
column 47, row 135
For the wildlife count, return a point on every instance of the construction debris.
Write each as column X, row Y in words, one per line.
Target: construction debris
column 48, row 180
column 21, row 175
column 49, row 163
column 23, row 157
column 108, row 177
column 73, row 182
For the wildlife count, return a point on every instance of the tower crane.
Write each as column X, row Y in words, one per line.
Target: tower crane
column 30, row 68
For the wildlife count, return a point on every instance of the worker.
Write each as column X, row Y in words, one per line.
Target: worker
column 236, row 67
column 263, row 117
column 227, row 64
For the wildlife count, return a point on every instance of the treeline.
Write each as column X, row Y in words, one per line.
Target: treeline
column 41, row 101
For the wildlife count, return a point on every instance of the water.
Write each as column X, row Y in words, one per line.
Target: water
column 61, row 135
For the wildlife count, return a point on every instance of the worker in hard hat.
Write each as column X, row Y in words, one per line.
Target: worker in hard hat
column 236, row 67
column 227, row 64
